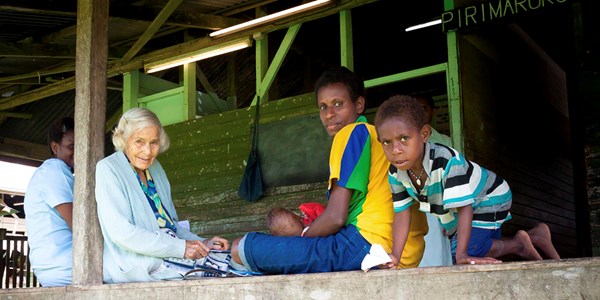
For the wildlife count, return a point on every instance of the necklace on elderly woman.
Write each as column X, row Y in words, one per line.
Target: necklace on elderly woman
column 417, row 179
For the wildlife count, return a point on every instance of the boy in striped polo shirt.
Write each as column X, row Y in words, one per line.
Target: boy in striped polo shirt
column 470, row 201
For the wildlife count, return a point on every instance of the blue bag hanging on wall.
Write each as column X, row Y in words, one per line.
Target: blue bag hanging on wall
column 251, row 187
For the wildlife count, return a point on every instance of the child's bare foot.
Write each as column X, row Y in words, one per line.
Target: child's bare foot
column 527, row 249
column 541, row 237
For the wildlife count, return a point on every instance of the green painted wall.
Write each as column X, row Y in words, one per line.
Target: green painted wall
column 207, row 157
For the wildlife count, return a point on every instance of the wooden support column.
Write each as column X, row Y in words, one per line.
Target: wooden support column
column 454, row 86
column 189, row 91
column 346, row 39
column 131, row 89
column 262, row 58
column 90, row 115
column 275, row 65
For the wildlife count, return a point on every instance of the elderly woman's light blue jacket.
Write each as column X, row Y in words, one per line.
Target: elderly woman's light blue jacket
column 134, row 247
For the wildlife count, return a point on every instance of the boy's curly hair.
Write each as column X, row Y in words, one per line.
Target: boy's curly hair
column 401, row 106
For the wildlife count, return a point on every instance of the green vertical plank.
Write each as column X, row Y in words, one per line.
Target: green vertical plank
column 131, row 87
column 262, row 58
column 189, row 91
column 262, row 62
column 453, row 86
column 346, row 41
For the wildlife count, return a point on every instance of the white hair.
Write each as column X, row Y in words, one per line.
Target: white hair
column 134, row 120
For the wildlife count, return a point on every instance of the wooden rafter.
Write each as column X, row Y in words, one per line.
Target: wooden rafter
column 189, row 20
column 23, row 149
column 10, row 114
column 153, row 28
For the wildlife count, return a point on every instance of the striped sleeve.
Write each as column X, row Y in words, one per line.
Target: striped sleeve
column 461, row 183
column 400, row 195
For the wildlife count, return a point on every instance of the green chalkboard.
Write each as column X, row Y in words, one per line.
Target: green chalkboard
column 294, row 151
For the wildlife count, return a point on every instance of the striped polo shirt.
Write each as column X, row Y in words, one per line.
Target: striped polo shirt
column 454, row 182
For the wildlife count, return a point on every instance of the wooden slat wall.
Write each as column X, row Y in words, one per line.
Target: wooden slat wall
column 205, row 164
column 514, row 127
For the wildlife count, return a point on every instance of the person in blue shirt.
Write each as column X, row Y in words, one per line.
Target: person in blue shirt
column 49, row 209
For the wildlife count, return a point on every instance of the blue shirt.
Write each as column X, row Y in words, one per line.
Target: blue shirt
column 134, row 244
column 49, row 236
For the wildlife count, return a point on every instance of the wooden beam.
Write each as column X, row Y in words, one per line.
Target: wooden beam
column 90, row 115
column 65, row 32
column 187, row 19
column 63, row 68
column 231, row 83
column 22, row 149
column 261, row 56
column 47, row 12
column 36, row 50
column 21, row 161
column 203, row 80
column 189, row 91
column 37, row 94
column 241, row 8
column 167, row 30
column 30, row 81
column 347, row 47
column 10, row 114
column 113, row 120
column 190, row 19
column 278, row 59
column 153, row 28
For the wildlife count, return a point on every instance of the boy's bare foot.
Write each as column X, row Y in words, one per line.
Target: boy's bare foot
column 527, row 249
column 541, row 237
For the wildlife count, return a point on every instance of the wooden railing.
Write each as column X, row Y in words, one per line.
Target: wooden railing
column 15, row 269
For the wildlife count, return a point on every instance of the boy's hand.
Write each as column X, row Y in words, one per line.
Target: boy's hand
column 392, row 264
column 465, row 260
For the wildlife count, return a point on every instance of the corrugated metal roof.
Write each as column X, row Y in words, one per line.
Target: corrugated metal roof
column 17, row 25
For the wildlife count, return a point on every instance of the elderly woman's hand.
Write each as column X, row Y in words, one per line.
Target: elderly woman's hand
column 217, row 243
column 195, row 249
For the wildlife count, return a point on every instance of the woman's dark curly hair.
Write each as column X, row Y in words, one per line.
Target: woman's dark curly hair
column 355, row 85
column 58, row 128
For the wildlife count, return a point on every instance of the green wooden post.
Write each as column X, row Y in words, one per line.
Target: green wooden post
column 284, row 48
column 346, row 42
column 262, row 62
column 131, row 88
column 262, row 59
column 453, row 86
column 189, row 91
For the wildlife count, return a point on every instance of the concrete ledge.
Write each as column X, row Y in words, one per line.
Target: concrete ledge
column 550, row 279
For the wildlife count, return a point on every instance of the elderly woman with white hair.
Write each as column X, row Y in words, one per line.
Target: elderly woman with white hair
column 135, row 209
